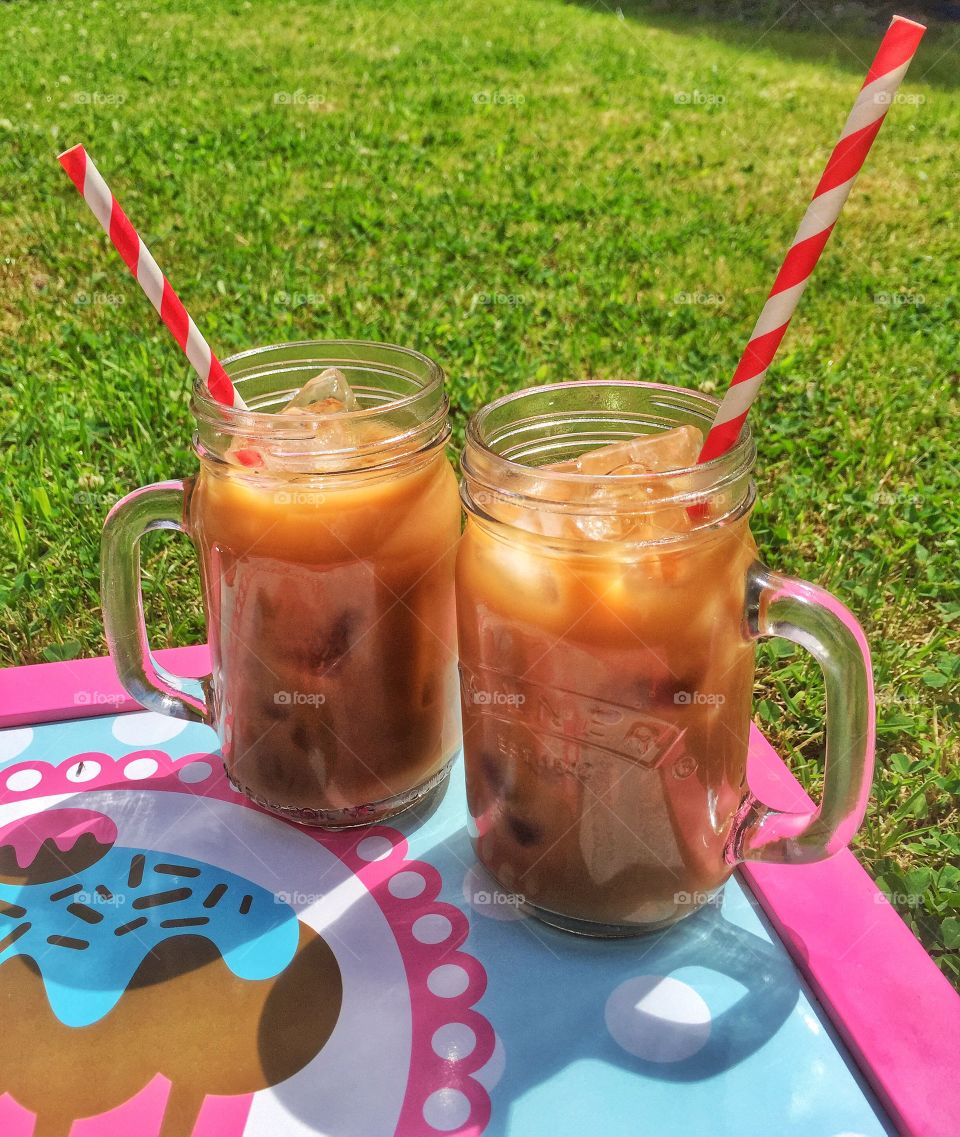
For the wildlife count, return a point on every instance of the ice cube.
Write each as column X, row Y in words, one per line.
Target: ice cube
column 646, row 454
column 326, row 393
column 312, row 409
column 675, row 449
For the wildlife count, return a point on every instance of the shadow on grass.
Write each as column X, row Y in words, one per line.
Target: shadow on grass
column 799, row 31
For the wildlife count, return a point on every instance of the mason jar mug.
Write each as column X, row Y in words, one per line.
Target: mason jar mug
column 326, row 543
column 607, row 632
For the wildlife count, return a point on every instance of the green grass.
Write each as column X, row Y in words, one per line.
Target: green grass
column 529, row 193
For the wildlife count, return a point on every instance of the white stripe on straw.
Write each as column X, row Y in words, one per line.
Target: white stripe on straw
column 105, row 207
column 874, row 100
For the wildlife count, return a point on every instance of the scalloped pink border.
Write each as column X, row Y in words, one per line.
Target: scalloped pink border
column 430, row 1072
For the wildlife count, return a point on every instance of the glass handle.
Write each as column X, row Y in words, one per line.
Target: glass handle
column 811, row 617
column 159, row 506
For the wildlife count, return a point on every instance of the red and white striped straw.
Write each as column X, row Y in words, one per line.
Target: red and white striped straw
column 105, row 207
column 875, row 98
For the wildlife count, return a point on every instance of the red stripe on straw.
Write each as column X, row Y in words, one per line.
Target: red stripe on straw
column 799, row 261
column 75, row 163
column 219, row 383
column 756, row 354
column 848, row 157
column 125, row 238
column 898, row 47
column 81, row 170
column 174, row 315
column 718, row 442
column 895, row 51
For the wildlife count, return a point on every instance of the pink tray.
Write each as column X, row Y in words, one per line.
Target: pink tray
column 898, row 1015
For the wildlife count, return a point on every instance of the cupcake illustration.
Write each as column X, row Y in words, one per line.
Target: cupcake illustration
column 124, row 963
column 174, row 962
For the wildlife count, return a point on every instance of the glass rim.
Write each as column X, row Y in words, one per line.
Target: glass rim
column 743, row 451
column 205, row 406
column 514, row 492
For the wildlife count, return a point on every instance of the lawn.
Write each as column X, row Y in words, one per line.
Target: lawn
column 529, row 193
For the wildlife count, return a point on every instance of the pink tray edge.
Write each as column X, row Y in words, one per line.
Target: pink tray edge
column 81, row 688
column 888, row 1000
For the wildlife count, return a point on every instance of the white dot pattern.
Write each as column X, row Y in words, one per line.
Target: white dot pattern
column 146, row 728
column 374, row 849
column 22, row 780
column 448, row 981
column 406, row 885
column 453, row 1041
column 141, row 768
column 84, row 771
column 657, row 1018
column 432, row 928
column 447, row 1109
column 195, row 772
column 14, row 742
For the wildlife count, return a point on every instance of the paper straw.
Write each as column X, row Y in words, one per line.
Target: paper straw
column 105, row 207
column 875, row 98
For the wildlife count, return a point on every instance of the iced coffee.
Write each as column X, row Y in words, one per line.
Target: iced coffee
column 326, row 516
column 606, row 677
column 330, row 607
